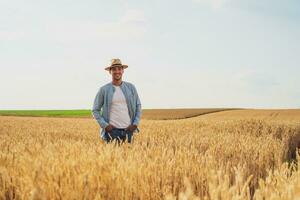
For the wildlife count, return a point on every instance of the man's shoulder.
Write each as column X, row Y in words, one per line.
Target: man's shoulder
column 108, row 85
column 104, row 87
column 128, row 84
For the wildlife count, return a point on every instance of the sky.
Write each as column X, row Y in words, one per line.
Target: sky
column 180, row 53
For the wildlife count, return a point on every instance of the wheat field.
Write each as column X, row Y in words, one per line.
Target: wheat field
column 167, row 114
column 237, row 154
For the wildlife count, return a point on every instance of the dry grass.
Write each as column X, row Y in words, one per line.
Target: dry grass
column 147, row 113
column 287, row 115
column 196, row 158
column 166, row 114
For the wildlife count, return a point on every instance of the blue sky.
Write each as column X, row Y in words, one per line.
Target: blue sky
column 181, row 54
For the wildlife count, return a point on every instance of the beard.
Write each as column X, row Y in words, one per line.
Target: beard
column 117, row 77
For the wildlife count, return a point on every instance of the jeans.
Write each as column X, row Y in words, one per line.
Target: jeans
column 119, row 135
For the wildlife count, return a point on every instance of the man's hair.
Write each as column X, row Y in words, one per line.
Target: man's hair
column 112, row 67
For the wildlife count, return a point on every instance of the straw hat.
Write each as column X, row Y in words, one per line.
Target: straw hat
column 115, row 62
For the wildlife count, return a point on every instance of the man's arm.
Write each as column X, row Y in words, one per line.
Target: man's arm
column 138, row 112
column 97, row 106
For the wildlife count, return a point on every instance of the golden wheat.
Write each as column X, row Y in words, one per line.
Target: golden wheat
column 166, row 114
column 196, row 158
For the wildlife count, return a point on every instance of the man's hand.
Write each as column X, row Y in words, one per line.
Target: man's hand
column 131, row 128
column 109, row 128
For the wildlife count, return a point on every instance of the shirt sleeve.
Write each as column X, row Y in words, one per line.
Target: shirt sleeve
column 138, row 112
column 97, row 108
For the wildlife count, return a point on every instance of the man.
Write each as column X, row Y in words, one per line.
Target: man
column 117, row 106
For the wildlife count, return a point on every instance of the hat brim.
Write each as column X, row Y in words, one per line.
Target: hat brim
column 108, row 68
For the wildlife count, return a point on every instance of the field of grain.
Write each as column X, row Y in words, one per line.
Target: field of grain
column 246, row 154
column 167, row 114
column 147, row 113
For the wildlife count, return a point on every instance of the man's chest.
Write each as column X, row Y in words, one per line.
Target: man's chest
column 118, row 97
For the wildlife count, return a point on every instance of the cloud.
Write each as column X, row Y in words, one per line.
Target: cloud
column 91, row 31
column 128, row 26
column 133, row 16
column 215, row 4
column 11, row 35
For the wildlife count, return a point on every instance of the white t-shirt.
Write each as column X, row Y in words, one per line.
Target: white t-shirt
column 119, row 115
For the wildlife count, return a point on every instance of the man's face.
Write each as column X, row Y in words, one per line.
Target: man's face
column 117, row 72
